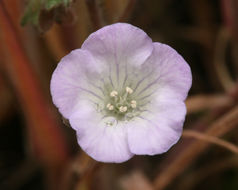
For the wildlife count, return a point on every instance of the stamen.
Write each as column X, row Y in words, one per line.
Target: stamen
column 110, row 106
column 123, row 109
column 121, row 106
column 133, row 104
column 129, row 90
column 113, row 93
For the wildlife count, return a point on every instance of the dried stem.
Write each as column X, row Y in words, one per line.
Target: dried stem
column 210, row 139
column 185, row 158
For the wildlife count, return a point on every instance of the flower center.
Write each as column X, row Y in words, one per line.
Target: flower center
column 121, row 105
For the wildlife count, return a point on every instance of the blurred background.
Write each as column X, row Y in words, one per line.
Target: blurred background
column 39, row 151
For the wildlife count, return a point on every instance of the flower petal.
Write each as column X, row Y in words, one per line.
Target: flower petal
column 165, row 75
column 160, row 91
column 155, row 131
column 102, row 142
column 119, row 46
column 75, row 77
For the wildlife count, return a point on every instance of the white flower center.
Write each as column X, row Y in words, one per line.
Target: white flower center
column 121, row 105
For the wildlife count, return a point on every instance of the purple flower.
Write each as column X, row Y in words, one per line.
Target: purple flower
column 122, row 93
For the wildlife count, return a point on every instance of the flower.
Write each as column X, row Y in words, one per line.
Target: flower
column 122, row 93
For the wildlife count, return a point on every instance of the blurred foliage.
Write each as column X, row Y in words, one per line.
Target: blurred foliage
column 39, row 11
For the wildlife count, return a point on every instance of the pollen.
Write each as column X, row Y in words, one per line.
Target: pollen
column 129, row 90
column 123, row 109
column 113, row 93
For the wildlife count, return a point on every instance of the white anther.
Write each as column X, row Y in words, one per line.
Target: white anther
column 110, row 106
column 113, row 93
column 133, row 104
column 129, row 90
column 123, row 109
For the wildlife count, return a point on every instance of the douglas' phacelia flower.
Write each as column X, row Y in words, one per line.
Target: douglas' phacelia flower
column 122, row 93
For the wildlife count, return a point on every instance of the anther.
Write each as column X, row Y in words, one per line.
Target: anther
column 113, row 93
column 110, row 107
column 133, row 104
column 129, row 90
column 123, row 109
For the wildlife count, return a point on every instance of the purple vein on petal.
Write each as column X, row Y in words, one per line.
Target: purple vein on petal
column 126, row 76
column 148, row 95
column 152, row 83
column 145, row 119
column 90, row 92
column 110, row 75
column 116, row 63
column 145, row 103
column 98, row 87
column 149, row 85
column 83, row 89
column 140, row 81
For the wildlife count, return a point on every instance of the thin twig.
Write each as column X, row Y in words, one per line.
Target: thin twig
column 210, row 139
